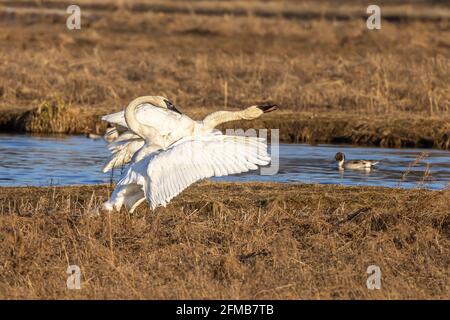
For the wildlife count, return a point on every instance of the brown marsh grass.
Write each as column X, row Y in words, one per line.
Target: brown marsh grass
column 229, row 241
column 335, row 82
column 324, row 68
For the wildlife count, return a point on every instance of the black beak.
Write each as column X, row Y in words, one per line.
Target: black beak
column 171, row 107
column 268, row 107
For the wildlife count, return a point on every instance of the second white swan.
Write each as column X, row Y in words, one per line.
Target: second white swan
column 160, row 114
column 160, row 170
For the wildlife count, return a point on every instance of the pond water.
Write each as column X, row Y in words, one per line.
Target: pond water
column 27, row 160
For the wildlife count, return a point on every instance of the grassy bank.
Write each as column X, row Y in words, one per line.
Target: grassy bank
column 222, row 240
column 335, row 80
column 298, row 127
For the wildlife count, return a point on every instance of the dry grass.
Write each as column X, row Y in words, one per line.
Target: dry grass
column 335, row 82
column 324, row 67
column 222, row 240
column 396, row 132
column 425, row 10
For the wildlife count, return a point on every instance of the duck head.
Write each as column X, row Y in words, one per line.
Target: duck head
column 340, row 158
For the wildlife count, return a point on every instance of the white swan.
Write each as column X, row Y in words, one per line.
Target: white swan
column 127, row 144
column 159, row 172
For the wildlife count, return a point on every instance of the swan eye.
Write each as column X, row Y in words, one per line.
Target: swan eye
column 171, row 107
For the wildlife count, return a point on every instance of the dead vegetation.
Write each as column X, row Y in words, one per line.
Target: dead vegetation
column 333, row 71
column 423, row 10
column 247, row 241
column 398, row 132
column 335, row 82
column 50, row 117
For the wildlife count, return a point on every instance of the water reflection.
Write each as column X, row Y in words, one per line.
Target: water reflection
column 67, row 160
column 315, row 164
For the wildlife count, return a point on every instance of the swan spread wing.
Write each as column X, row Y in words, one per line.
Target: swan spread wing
column 165, row 174
column 193, row 159
column 122, row 152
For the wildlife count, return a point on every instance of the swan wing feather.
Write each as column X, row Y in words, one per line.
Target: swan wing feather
column 122, row 152
column 191, row 159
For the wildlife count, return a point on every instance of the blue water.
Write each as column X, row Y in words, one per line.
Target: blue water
column 67, row 160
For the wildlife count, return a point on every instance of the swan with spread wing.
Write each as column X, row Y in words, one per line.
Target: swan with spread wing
column 127, row 144
column 177, row 151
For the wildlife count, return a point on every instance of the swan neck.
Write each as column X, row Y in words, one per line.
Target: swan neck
column 131, row 119
column 219, row 117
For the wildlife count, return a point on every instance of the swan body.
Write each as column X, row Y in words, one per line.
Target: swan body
column 165, row 121
column 161, row 169
column 354, row 164
column 169, row 124
column 155, row 113
column 161, row 176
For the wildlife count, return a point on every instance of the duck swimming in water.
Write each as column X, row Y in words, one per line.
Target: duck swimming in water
column 353, row 164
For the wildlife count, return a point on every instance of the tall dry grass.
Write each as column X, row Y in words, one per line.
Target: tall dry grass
column 230, row 241
column 325, row 68
column 303, row 65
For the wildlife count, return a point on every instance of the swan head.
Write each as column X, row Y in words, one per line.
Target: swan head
column 254, row 112
column 163, row 102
